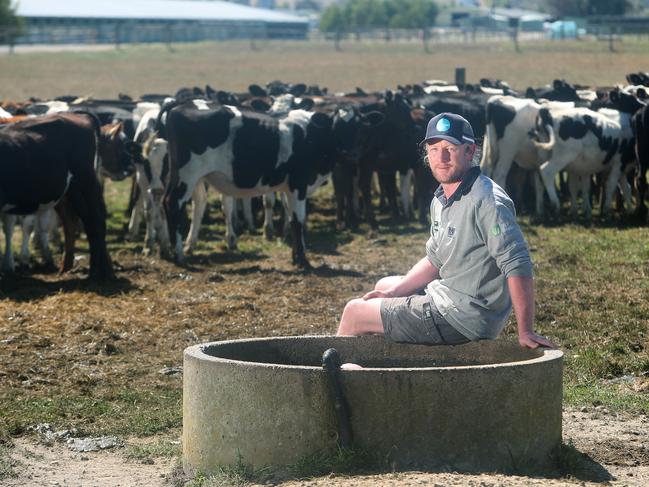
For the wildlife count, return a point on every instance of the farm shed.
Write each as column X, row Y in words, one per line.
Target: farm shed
column 125, row 21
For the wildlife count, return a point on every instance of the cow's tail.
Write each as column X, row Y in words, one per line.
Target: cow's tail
column 96, row 125
column 489, row 150
column 544, row 124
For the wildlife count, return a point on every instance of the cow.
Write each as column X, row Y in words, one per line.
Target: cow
column 509, row 121
column 640, row 125
column 583, row 142
column 244, row 153
column 48, row 162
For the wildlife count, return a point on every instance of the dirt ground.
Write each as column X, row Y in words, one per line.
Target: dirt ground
column 64, row 339
column 615, row 451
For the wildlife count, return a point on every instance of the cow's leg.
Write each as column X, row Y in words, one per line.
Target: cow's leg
column 404, row 181
column 539, row 190
column 68, row 222
column 136, row 217
column 228, row 210
column 342, row 188
column 176, row 198
column 8, row 224
column 287, row 216
column 424, row 182
column 389, row 188
column 503, row 165
column 149, row 234
column 269, row 205
column 365, row 183
column 297, row 209
column 199, row 203
column 574, row 184
column 549, row 170
column 42, row 233
column 135, row 208
column 27, row 226
column 611, row 184
column 625, row 188
column 247, row 213
column 87, row 202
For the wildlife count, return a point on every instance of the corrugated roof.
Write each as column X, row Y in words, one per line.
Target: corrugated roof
column 150, row 10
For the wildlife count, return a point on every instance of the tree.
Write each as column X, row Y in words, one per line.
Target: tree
column 10, row 24
column 608, row 7
column 414, row 14
column 333, row 21
column 568, row 8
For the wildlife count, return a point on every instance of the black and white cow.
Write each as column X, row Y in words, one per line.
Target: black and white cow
column 509, row 121
column 640, row 124
column 244, row 153
column 583, row 142
column 48, row 161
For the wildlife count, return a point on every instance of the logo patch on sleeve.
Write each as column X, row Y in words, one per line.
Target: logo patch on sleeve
column 495, row 230
column 451, row 232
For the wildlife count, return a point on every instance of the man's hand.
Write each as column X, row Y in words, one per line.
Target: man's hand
column 378, row 294
column 532, row 340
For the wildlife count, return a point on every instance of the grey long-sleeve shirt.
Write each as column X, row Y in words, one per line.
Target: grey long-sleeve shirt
column 476, row 244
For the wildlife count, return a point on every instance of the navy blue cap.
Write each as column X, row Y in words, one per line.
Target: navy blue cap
column 451, row 127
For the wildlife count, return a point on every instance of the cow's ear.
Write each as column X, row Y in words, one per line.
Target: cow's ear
column 305, row 104
column 115, row 130
column 259, row 105
column 321, row 120
column 256, row 90
column 298, row 90
column 372, row 118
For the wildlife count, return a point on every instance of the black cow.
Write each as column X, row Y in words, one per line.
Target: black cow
column 48, row 161
column 245, row 153
column 640, row 123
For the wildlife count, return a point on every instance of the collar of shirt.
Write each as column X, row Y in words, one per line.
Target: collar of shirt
column 464, row 187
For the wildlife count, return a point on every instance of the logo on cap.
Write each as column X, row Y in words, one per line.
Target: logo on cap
column 443, row 124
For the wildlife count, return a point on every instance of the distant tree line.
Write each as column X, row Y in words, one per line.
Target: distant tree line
column 582, row 8
column 10, row 24
column 356, row 16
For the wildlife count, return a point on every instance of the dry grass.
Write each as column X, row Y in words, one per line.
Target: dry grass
column 374, row 66
column 85, row 356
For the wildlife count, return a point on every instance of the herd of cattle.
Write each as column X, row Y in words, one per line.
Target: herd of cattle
column 54, row 155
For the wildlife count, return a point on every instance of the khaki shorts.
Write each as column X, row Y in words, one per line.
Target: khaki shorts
column 416, row 319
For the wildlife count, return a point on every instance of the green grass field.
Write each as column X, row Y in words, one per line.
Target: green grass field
column 592, row 281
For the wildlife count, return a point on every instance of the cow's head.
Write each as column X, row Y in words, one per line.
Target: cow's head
column 116, row 152
column 319, row 142
column 155, row 166
column 625, row 102
column 351, row 129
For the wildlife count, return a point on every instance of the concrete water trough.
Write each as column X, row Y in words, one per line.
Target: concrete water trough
column 484, row 406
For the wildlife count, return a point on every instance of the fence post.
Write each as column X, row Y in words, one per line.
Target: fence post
column 460, row 77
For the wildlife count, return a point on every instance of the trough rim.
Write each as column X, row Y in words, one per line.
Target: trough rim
column 196, row 352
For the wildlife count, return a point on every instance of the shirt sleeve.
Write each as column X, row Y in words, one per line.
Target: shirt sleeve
column 496, row 225
column 431, row 253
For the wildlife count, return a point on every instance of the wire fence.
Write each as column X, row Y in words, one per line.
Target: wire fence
column 133, row 32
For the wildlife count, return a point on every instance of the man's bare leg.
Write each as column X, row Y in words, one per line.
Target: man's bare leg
column 361, row 317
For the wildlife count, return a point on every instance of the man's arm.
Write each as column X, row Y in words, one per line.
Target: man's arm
column 417, row 278
column 521, row 290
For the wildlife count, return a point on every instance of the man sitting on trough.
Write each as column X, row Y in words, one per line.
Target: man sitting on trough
column 477, row 264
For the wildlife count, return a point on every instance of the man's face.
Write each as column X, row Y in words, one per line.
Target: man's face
column 449, row 162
